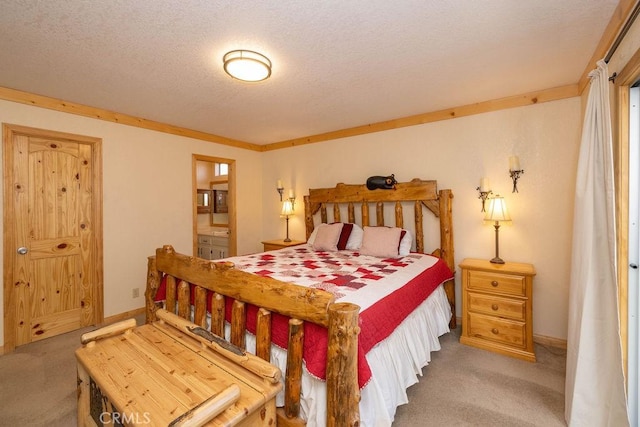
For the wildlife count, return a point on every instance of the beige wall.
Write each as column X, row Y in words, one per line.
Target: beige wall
column 458, row 153
column 141, row 169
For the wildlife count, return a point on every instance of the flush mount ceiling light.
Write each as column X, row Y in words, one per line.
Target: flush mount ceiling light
column 247, row 65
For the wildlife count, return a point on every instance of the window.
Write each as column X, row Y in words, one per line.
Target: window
column 221, row 169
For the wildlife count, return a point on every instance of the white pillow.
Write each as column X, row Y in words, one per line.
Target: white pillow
column 327, row 237
column 312, row 237
column 405, row 243
column 381, row 242
column 355, row 238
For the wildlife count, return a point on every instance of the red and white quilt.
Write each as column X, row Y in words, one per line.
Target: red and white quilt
column 387, row 291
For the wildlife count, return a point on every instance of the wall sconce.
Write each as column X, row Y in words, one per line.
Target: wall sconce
column 515, row 172
column 484, row 191
column 497, row 213
column 280, row 189
column 287, row 210
column 292, row 197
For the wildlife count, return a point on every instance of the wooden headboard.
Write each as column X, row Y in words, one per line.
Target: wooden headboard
column 423, row 194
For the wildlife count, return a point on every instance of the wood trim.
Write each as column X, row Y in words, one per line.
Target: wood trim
column 550, row 341
column 111, row 116
column 124, row 316
column 621, row 182
column 530, row 98
column 620, row 126
column 98, row 243
column 9, row 240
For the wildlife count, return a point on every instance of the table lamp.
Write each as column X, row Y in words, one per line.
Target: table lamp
column 497, row 213
column 287, row 210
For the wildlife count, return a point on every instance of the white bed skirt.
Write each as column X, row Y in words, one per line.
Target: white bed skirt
column 396, row 363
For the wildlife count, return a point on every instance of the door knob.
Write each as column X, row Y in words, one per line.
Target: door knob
column 22, row 250
column 634, row 266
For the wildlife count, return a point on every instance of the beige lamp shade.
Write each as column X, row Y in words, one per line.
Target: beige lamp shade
column 287, row 208
column 497, row 210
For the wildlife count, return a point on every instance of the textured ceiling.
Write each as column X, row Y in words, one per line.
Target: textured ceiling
column 336, row 64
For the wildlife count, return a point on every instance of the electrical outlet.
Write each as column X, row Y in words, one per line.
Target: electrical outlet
column 136, row 292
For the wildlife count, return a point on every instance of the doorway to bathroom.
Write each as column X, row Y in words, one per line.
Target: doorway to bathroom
column 214, row 213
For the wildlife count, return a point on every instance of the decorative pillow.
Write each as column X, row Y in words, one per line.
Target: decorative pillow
column 327, row 237
column 344, row 236
column 405, row 243
column 355, row 238
column 381, row 242
column 350, row 237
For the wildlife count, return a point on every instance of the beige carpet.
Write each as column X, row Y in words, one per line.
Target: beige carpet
column 465, row 386
column 462, row 386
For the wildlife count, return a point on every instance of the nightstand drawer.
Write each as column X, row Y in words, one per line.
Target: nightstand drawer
column 508, row 284
column 205, row 239
column 220, row 241
column 497, row 306
column 509, row 332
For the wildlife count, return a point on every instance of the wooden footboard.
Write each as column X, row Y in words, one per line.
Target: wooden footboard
column 185, row 274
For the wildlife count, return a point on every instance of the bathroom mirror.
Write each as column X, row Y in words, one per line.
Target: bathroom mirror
column 220, row 208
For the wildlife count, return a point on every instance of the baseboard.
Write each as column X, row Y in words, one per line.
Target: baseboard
column 550, row 341
column 124, row 316
column 108, row 320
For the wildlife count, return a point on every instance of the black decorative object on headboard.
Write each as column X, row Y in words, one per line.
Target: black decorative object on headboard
column 382, row 182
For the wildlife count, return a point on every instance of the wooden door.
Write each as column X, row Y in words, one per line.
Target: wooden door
column 53, row 222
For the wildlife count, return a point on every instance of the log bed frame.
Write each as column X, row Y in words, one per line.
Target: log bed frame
column 299, row 303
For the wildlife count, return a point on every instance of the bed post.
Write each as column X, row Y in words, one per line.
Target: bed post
column 343, row 392
column 308, row 217
column 153, row 282
column 446, row 247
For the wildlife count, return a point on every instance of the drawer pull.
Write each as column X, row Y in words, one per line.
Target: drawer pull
column 494, row 283
column 494, row 307
column 494, row 331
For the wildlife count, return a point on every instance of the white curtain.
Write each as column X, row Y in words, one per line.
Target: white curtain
column 594, row 387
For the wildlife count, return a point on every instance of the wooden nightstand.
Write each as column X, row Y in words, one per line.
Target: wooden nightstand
column 497, row 310
column 272, row 245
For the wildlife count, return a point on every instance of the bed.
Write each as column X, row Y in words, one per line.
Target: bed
column 332, row 339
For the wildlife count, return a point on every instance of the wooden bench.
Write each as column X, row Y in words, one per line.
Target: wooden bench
column 171, row 373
